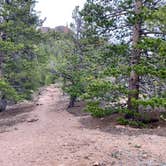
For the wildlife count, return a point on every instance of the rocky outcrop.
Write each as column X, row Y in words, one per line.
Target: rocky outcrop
column 61, row 28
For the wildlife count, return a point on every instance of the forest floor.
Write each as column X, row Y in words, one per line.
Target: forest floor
column 46, row 134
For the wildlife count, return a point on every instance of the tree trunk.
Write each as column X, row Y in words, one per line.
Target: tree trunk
column 3, row 104
column 3, row 101
column 1, row 63
column 72, row 102
column 135, row 58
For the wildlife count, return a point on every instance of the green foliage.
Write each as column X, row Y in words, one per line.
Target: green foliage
column 115, row 21
column 97, row 111
column 65, row 63
column 22, row 58
column 93, row 61
column 153, row 102
column 8, row 91
column 97, row 88
column 132, row 123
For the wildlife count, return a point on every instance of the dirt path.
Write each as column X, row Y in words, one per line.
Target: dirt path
column 50, row 136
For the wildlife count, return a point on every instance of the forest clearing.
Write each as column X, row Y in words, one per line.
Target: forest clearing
column 32, row 136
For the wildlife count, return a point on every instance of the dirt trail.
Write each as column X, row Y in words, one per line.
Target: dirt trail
column 48, row 135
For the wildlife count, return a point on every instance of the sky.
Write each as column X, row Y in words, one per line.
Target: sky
column 57, row 12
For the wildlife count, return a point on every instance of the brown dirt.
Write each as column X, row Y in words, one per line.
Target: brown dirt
column 48, row 135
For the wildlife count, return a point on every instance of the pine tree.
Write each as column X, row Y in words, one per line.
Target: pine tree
column 18, row 51
column 140, row 25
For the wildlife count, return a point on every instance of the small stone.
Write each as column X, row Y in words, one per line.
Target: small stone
column 116, row 155
column 96, row 164
column 32, row 120
column 144, row 156
column 38, row 104
column 137, row 146
column 86, row 157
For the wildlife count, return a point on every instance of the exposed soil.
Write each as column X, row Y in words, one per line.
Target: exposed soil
column 46, row 134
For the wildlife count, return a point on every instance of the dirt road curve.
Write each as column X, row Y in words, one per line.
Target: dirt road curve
column 48, row 135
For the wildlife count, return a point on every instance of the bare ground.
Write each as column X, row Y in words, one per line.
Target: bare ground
column 48, row 135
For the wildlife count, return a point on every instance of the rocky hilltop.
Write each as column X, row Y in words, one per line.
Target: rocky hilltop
column 61, row 28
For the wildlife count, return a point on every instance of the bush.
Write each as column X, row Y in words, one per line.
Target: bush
column 96, row 111
column 130, row 122
column 7, row 91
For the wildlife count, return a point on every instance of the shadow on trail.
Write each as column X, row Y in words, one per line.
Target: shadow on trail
column 14, row 116
column 77, row 110
column 110, row 125
column 16, row 110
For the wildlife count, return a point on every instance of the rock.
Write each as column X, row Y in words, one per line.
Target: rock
column 116, row 154
column 38, row 104
column 96, row 164
column 137, row 146
column 32, row 120
column 120, row 127
column 162, row 117
column 86, row 157
column 145, row 156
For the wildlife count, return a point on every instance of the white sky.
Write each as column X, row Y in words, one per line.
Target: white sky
column 57, row 12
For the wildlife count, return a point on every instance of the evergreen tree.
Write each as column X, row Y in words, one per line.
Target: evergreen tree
column 137, row 26
column 19, row 47
column 72, row 60
column 66, row 64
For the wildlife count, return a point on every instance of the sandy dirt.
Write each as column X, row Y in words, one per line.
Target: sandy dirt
column 48, row 135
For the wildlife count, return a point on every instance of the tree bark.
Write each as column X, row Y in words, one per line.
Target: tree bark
column 1, row 60
column 135, row 58
column 3, row 104
column 3, row 101
column 72, row 102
